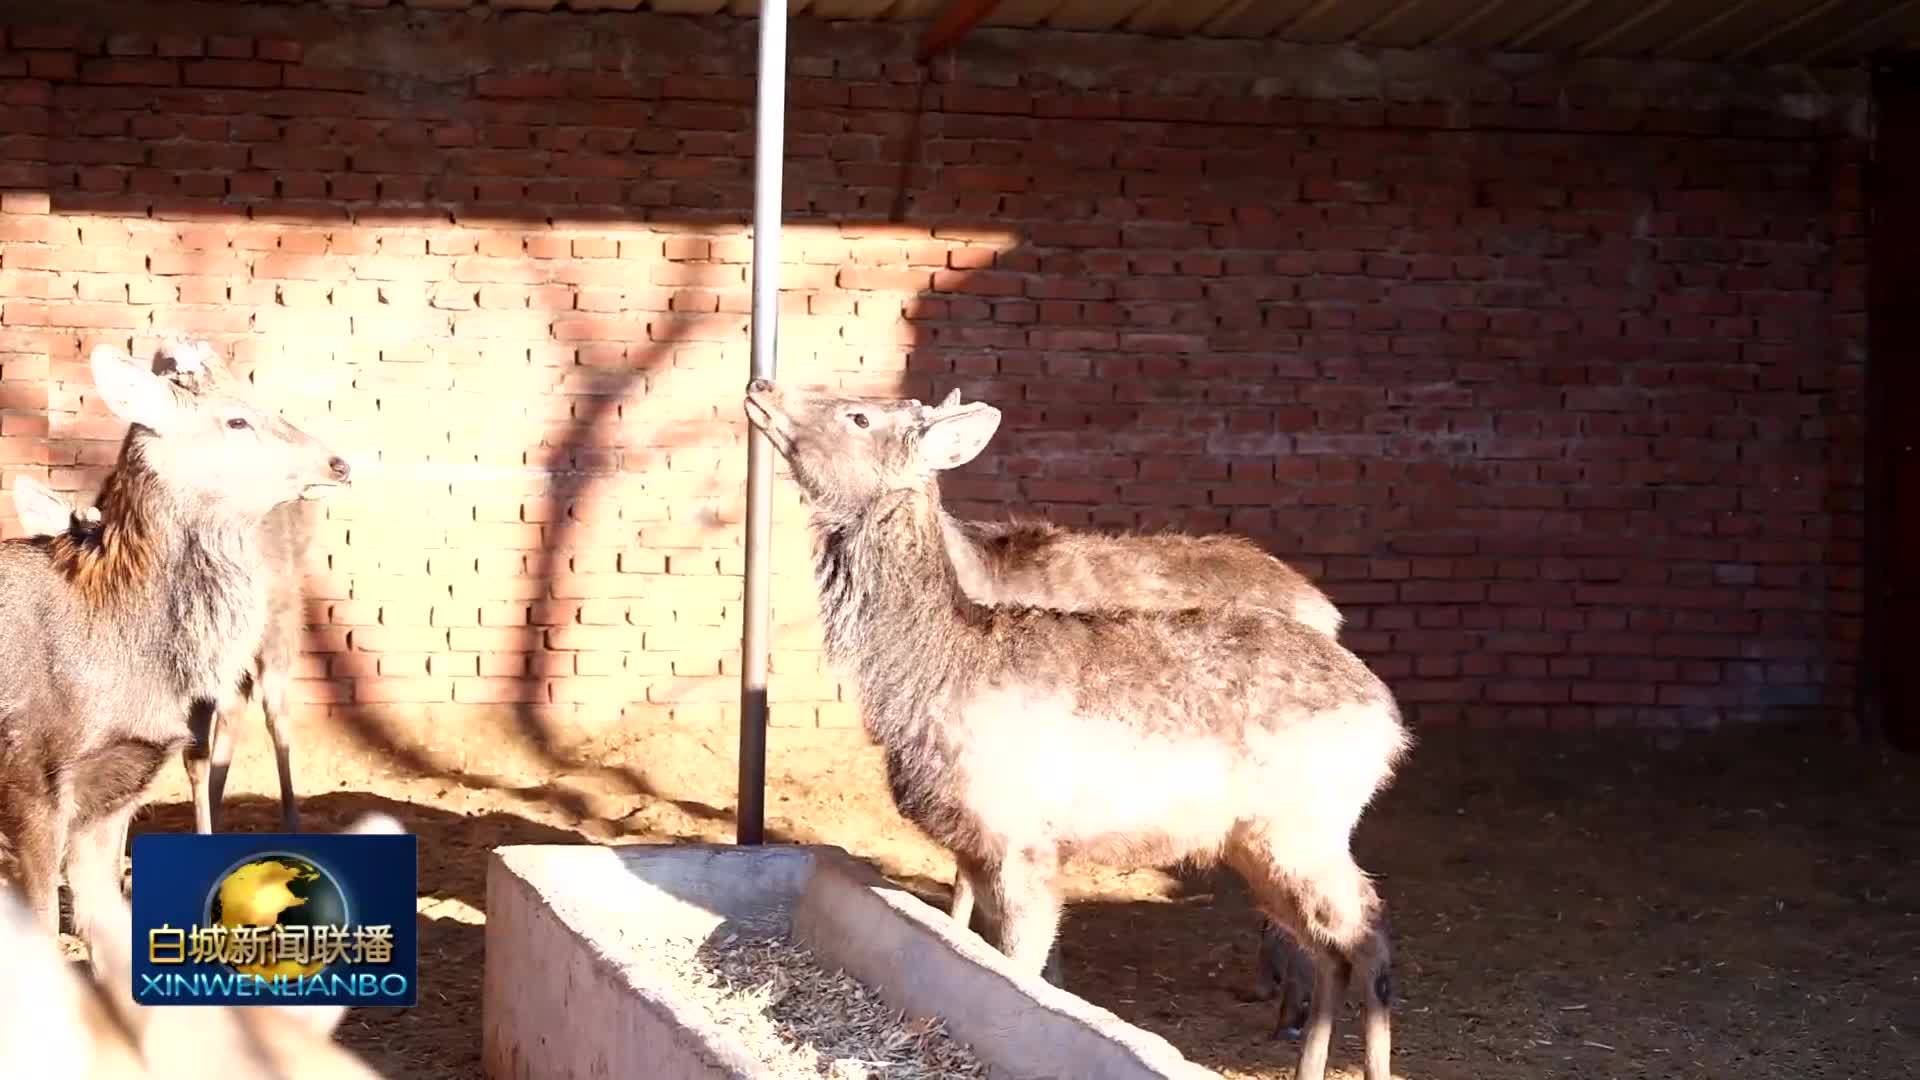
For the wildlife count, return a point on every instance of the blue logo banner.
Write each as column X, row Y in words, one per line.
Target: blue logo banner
column 275, row 919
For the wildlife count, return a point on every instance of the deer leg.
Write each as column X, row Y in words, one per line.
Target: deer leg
column 972, row 904
column 202, row 717
column 1375, row 960
column 1346, row 920
column 123, row 868
column 1332, row 972
column 93, row 874
column 225, row 736
column 1283, row 970
column 38, row 829
column 1330, row 907
column 986, row 923
column 989, row 925
column 1343, row 921
column 1266, row 981
column 960, row 907
column 1296, row 995
column 1029, row 908
column 273, row 705
column 229, row 722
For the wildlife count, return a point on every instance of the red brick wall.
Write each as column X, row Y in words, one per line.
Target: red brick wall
column 1551, row 375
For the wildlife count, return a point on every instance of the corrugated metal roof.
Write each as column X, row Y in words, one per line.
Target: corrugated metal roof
column 1764, row 32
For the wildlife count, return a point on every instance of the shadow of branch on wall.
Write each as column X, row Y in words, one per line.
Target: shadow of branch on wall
column 573, row 474
column 574, row 463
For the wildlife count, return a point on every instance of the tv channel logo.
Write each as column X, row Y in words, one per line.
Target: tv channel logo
column 275, row 918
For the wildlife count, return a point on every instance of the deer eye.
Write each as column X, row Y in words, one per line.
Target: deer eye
column 239, row 423
column 859, row 419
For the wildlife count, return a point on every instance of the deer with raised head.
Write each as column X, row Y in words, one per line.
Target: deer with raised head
column 1021, row 737
column 285, row 537
column 57, row 1023
column 1043, row 565
column 109, row 638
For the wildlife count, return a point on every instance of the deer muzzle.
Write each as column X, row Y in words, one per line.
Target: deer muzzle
column 764, row 412
column 338, row 474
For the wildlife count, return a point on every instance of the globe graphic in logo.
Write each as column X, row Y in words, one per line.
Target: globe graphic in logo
column 278, row 889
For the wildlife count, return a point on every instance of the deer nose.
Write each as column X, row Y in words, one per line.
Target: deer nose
column 339, row 468
column 760, row 386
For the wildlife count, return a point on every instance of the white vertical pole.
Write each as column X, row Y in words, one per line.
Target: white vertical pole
column 769, row 156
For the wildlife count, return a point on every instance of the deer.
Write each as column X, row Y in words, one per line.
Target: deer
column 110, row 639
column 1020, row 738
column 285, row 537
column 1044, row 565
column 1040, row 564
column 61, row 1024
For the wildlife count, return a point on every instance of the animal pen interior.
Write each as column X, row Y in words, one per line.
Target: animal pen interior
column 1565, row 350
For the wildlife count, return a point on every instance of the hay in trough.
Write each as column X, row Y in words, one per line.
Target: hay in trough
column 804, row 1021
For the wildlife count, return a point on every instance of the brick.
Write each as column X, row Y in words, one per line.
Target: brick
column 864, row 279
column 497, row 691
column 280, row 50
column 131, row 72
column 46, row 37
column 62, row 66
column 179, row 45
column 129, row 45
column 381, row 690
column 71, row 314
column 230, row 46
column 25, row 202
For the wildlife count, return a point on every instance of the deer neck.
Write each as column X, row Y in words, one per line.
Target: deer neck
column 890, row 600
column 972, row 563
column 177, row 579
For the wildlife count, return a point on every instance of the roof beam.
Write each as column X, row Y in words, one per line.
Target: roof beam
column 1874, row 23
column 1608, row 36
column 1544, row 26
column 1305, row 14
column 953, row 23
column 1673, row 45
column 1219, row 19
column 1778, row 29
column 1448, row 33
column 1387, row 18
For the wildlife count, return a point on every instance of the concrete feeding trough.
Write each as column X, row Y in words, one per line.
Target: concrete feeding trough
column 576, row 985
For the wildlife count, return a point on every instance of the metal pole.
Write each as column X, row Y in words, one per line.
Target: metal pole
column 769, row 138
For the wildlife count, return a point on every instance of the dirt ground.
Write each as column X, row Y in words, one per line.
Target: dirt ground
column 1734, row 906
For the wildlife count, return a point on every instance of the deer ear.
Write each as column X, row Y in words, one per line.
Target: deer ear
column 190, row 364
column 41, row 512
column 133, row 393
column 956, row 436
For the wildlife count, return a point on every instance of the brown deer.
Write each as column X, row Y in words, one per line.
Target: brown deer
column 284, row 539
column 57, row 1023
column 1043, row 565
column 1022, row 737
column 109, row 638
